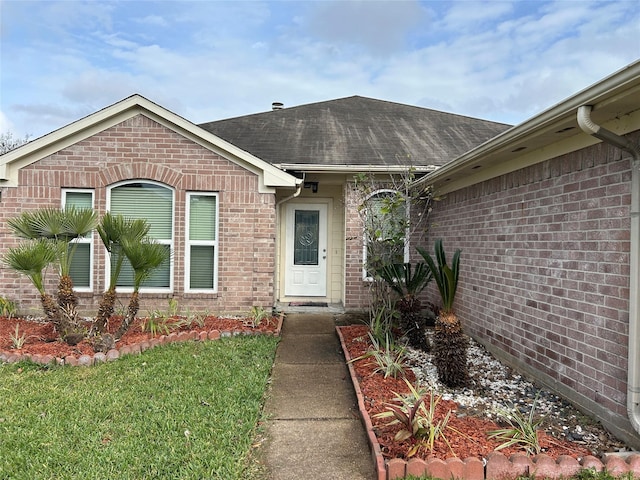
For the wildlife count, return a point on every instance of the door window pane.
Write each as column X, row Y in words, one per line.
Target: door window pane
column 307, row 223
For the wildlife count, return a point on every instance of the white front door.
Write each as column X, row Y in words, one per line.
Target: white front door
column 306, row 250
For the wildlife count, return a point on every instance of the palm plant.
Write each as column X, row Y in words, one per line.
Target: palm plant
column 113, row 230
column 144, row 256
column 60, row 227
column 31, row 259
column 408, row 282
column 450, row 349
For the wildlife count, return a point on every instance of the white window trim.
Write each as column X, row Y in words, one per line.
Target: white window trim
column 171, row 242
column 210, row 243
column 407, row 250
column 89, row 239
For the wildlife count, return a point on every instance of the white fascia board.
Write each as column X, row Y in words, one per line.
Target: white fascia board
column 300, row 167
column 270, row 176
column 58, row 140
column 625, row 82
column 10, row 163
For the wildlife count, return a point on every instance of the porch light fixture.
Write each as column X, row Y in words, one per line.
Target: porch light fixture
column 312, row 185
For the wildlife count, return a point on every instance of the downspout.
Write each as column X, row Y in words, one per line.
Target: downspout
column 276, row 279
column 633, row 374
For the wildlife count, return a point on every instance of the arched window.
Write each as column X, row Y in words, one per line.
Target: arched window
column 154, row 203
column 385, row 230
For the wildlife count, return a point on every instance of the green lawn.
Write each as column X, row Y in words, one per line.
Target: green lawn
column 180, row 411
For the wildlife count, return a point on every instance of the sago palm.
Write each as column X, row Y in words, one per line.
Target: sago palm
column 450, row 349
column 408, row 282
column 113, row 230
column 144, row 256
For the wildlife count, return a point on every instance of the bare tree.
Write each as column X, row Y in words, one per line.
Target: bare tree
column 8, row 142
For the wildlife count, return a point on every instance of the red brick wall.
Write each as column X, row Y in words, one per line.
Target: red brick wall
column 142, row 149
column 545, row 268
column 357, row 292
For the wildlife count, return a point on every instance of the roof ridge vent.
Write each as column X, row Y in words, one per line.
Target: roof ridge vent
column 277, row 106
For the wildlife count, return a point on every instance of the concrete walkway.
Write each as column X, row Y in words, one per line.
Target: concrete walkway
column 313, row 427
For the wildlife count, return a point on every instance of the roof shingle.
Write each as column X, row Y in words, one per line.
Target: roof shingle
column 355, row 131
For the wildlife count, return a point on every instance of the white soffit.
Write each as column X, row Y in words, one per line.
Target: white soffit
column 554, row 132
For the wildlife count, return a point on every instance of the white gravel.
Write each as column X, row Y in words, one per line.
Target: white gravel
column 494, row 387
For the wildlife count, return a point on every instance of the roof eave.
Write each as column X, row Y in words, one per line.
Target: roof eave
column 270, row 176
column 323, row 168
column 614, row 98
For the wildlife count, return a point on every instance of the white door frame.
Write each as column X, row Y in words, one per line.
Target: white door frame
column 306, row 280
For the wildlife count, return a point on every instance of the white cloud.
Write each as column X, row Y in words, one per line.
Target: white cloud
column 7, row 126
column 503, row 61
column 155, row 20
column 377, row 27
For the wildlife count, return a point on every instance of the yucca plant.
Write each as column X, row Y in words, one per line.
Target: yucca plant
column 256, row 315
column 418, row 419
column 382, row 318
column 408, row 282
column 17, row 340
column 522, row 429
column 389, row 359
column 450, row 344
column 8, row 308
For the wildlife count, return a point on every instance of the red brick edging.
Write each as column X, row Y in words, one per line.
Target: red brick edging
column 495, row 467
column 133, row 349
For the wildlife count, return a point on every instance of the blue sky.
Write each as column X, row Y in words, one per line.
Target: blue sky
column 208, row 60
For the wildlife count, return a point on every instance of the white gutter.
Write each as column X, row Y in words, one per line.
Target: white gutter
column 276, row 280
column 318, row 168
column 625, row 78
column 633, row 374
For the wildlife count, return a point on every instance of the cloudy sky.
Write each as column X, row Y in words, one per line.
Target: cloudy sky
column 207, row 60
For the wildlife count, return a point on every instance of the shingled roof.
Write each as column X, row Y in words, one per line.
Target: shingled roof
column 355, row 131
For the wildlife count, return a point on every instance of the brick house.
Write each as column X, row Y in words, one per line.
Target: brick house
column 546, row 213
column 547, row 216
column 256, row 210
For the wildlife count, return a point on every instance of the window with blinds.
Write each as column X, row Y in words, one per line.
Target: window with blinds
column 386, row 225
column 82, row 260
column 202, row 242
column 153, row 203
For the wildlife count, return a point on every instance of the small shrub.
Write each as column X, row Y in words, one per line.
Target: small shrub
column 17, row 340
column 522, row 430
column 418, row 419
column 7, row 308
column 390, row 359
column 256, row 315
column 173, row 307
column 197, row 320
column 156, row 324
column 381, row 320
